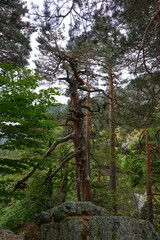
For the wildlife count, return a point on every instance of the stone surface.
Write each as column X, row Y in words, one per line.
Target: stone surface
column 121, row 228
column 85, row 221
column 5, row 234
column 9, row 235
column 98, row 228
column 44, row 217
column 77, row 209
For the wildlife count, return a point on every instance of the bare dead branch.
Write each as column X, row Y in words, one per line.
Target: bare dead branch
column 93, row 90
column 90, row 110
column 147, row 28
column 143, row 41
column 62, row 163
column 24, row 179
column 57, row 142
column 66, row 14
column 158, row 194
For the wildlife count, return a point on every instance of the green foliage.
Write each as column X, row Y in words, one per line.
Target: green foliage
column 24, row 207
column 13, row 215
column 25, row 124
column 15, row 33
column 23, row 120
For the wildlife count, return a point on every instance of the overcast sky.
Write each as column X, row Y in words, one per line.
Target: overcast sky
column 61, row 99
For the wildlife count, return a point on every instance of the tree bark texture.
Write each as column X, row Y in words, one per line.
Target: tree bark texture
column 79, row 142
column 112, row 170
column 87, row 170
column 148, row 180
column 81, row 160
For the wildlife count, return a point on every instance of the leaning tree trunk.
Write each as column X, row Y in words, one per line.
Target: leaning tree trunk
column 149, row 183
column 112, row 170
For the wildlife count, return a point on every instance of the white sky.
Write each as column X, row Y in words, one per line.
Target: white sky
column 61, row 99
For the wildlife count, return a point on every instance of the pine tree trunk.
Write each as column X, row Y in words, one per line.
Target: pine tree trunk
column 87, row 170
column 112, row 171
column 76, row 136
column 149, row 183
column 82, row 164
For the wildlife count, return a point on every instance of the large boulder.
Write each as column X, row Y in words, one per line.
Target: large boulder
column 86, row 221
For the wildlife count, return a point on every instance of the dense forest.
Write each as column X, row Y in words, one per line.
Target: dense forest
column 103, row 145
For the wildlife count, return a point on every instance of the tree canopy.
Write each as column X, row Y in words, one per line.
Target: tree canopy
column 15, row 32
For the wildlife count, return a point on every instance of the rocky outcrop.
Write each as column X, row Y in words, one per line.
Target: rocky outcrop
column 86, row 221
column 70, row 209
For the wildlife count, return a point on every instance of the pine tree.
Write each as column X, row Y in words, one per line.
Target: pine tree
column 140, row 20
column 15, row 33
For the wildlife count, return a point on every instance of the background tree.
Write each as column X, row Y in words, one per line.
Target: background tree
column 140, row 19
column 15, row 33
column 143, row 107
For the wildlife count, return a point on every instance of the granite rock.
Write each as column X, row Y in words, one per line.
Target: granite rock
column 77, row 209
column 86, row 221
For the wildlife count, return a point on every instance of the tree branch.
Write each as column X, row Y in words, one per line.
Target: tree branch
column 20, row 183
column 62, row 163
column 143, row 41
column 93, row 90
column 57, row 142
column 90, row 110
column 158, row 194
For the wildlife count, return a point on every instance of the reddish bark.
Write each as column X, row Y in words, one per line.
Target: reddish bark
column 112, row 170
column 149, row 183
column 99, row 176
column 87, row 170
column 158, row 194
column 76, row 138
column 83, row 181
column 81, row 159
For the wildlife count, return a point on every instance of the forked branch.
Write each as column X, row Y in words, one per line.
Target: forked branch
column 20, row 183
column 62, row 163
